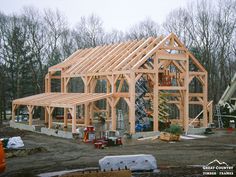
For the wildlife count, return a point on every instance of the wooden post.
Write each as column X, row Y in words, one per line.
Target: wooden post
column 132, row 102
column 73, row 114
column 64, row 88
column 91, row 110
column 113, row 106
column 30, row 110
column 181, row 112
column 86, row 113
column 205, row 102
column 86, row 105
column 45, row 115
column 156, row 96
column 186, row 97
column 49, row 82
column 62, row 85
column 50, row 111
column 108, row 87
column 13, row 116
column 46, row 83
column 65, row 117
column 210, row 113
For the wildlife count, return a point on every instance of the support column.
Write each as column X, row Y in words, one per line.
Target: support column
column 73, row 114
column 64, row 89
column 49, row 83
column 30, row 110
column 205, row 116
column 108, row 118
column 210, row 112
column 156, row 96
column 132, row 103
column 113, row 107
column 65, row 117
column 13, row 116
column 62, row 85
column 186, row 97
column 86, row 114
column 181, row 112
column 46, row 115
column 50, row 111
column 155, row 105
column 113, row 114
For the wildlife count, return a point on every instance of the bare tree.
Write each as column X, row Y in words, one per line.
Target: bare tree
column 89, row 32
column 144, row 29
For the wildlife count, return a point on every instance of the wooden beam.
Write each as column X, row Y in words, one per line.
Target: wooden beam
column 171, row 88
column 166, row 56
column 186, row 98
column 156, row 96
column 132, row 103
column 121, row 94
column 205, row 102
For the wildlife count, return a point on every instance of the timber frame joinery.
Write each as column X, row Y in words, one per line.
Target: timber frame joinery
column 124, row 61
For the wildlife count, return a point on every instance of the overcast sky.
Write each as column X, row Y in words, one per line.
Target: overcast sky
column 116, row 14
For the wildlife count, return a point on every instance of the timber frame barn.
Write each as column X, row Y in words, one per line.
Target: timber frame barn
column 151, row 59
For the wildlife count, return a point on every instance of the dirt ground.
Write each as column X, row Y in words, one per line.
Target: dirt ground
column 173, row 159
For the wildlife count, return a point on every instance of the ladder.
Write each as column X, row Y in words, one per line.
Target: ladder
column 218, row 114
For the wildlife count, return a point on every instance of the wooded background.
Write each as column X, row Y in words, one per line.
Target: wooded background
column 34, row 40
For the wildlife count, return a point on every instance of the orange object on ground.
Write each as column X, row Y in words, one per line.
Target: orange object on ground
column 2, row 159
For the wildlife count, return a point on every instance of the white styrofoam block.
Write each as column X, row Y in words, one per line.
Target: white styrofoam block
column 139, row 162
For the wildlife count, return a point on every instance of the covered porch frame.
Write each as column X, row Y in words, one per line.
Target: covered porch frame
column 50, row 101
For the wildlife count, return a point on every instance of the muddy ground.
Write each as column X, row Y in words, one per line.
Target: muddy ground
column 173, row 159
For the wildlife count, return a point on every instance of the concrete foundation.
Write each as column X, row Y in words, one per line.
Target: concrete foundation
column 57, row 133
column 43, row 130
column 22, row 126
column 196, row 131
column 145, row 134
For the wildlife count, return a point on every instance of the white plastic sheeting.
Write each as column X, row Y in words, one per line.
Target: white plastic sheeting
column 139, row 162
column 15, row 142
